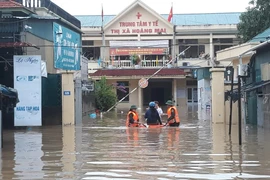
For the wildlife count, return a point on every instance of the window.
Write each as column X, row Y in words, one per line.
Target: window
column 87, row 43
column 193, row 52
column 223, row 40
column 92, row 53
column 122, row 90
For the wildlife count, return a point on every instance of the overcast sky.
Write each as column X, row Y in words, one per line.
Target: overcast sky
column 113, row 7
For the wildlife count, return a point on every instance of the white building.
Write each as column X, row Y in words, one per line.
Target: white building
column 141, row 30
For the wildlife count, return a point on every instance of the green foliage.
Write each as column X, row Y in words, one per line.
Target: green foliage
column 135, row 59
column 104, row 95
column 255, row 20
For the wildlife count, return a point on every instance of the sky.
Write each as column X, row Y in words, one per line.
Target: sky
column 113, row 7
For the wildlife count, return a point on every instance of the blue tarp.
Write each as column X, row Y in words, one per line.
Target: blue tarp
column 9, row 92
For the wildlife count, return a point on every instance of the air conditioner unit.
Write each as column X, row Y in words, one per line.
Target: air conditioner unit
column 242, row 70
column 185, row 63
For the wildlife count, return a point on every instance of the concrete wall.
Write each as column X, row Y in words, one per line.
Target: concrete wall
column 182, row 97
column 204, row 93
column 88, row 103
column 181, row 93
column 266, row 107
column 46, row 50
column 133, row 97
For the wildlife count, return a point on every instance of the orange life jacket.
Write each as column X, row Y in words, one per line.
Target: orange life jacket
column 135, row 117
column 176, row 117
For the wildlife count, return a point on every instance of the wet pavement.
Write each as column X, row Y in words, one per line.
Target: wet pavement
column 104, row 149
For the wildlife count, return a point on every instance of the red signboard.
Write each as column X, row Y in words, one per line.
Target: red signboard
column 138, row 51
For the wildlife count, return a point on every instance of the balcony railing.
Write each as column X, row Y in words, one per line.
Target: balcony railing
column 126, row 64
column 52, row 7
column 148, row 64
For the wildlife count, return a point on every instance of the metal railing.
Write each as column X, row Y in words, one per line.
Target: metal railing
column 127, row 64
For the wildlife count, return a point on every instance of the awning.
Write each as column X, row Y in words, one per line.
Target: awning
column 254, row 86
column 17, row 44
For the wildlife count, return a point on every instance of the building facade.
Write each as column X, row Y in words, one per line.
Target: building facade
column 187, row 42
column 40, row 28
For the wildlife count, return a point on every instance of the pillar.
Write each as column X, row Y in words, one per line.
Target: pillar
column 175, row 91
column 212, row 53
column 218, row 105
column 68, row 108
column 69, row 155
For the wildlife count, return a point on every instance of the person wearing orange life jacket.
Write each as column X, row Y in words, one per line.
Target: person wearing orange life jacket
column 173, row 118
column 132, row 117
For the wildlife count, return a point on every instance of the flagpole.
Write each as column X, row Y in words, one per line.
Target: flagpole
column 103, row 34
column 174, row 40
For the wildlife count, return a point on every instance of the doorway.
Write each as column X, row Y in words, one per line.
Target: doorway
column 157, row 90
column 192, row 95
column 157, row 94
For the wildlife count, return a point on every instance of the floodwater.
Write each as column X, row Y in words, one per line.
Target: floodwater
column 104, row 149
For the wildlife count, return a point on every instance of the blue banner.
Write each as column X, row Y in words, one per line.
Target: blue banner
column 67, row 48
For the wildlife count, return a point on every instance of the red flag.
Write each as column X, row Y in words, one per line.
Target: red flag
column 170, row 15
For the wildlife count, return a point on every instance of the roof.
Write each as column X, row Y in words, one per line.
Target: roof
column 16, row 44
column 9, row 4
column 262, row 36
column 137, row 72
column 178, row 19
column 43, row 17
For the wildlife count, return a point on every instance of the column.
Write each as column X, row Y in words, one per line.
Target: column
column 69, row 154
column 218, row 105
column 68, row 108
column 140, row 101
column 212, row 54
column 175, row 91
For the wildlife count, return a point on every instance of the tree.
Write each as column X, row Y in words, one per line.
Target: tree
column 255, row 20
column 104, row 95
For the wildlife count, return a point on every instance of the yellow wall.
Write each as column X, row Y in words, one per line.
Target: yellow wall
column 217, row 84
column 134, row 97
column 68, row 108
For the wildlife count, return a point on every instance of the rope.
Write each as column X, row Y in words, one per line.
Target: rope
column 146, row 79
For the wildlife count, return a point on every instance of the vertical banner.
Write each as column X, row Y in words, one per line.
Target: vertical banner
column 27, row 81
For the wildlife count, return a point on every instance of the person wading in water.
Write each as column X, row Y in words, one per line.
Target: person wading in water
column 173, row 118
column 152, row 117
column 132, row 117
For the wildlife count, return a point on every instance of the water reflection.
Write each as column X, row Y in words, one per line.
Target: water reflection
column 27, row 156
column 104, row 148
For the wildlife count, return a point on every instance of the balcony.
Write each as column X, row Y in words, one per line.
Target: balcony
column 127, row 64
column 148, row 64
column 32, row 4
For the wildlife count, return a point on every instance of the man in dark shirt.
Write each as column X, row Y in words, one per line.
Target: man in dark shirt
column 152, row 117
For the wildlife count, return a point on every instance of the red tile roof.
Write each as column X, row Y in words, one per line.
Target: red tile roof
column 137, row 72
column 9, row 4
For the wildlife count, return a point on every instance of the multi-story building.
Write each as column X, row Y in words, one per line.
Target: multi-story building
column 190, row 40
column 39, row 28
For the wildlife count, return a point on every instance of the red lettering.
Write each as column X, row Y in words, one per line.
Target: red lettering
column 127, row 24
column 115, row 31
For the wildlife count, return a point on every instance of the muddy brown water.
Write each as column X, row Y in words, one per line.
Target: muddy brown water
column 104, row 149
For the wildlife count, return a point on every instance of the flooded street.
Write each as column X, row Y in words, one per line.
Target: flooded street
column 105, row 149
